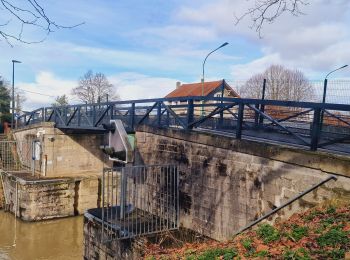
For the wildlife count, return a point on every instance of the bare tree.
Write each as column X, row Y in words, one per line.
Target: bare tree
column 95, row 88
column 25, row 13
column 20, row 98
column 281, row 84
column 267, row 11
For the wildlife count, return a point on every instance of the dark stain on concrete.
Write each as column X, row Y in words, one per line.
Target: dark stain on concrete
column 257, row 183
column 222, row 168
column 76, row 198
column 185, row 202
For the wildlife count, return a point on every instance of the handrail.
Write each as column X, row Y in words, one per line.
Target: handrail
column 332, row 177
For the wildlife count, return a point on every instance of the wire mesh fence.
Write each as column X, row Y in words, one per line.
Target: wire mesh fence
column 15, row 156
column 139, row 200
column 337, row 91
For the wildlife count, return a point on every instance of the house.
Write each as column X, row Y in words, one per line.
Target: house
column 208, row 89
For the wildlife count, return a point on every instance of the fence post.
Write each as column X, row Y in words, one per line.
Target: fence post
column 190, row 113
column 132, row 116
column 256, row 116
column 262, row 107
column 240, row 121
column 159, row 114
column 112, row 110
column 315, row 130
column 93, row 115
column 43, row 114
column 79, row 115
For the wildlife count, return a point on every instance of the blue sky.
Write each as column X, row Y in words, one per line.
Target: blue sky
column 144, row 47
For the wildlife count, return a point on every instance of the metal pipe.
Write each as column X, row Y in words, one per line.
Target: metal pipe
column 332, row 177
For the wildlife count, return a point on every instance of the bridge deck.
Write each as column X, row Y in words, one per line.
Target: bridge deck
column 304, row 124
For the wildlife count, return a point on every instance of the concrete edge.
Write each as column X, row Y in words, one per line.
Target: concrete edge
column 324, row 161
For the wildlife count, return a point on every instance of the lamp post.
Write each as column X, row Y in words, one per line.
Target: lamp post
column 13, row 93
column 222, row 45
column 325, row 90
column 326, row 81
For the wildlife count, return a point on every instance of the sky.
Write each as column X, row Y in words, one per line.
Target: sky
column 145, row 47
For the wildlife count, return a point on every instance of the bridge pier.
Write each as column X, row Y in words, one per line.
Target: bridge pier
column 226, row 183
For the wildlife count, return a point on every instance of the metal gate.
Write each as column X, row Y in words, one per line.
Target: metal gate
column 139, row 200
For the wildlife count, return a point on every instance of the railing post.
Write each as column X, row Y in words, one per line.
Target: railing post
column 112, row 110
column 65, row 111
column 43, row 114
column 256, row 116
column 262, row 107
column 93, row 115
column 315, row 130
column 132, row 116
column 159, row 114
column 190, row 112
column 79, row 115
column 167, row 118
column 240, row 121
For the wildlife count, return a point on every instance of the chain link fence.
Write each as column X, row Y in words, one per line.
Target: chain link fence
column 338, row 91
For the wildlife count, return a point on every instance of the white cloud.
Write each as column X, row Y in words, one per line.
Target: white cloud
column 49, row 86
column 129, row 86
column 138, row 86
column 314, row 42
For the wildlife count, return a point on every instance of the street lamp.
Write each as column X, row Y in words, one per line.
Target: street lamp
column 222, row 45
column 13, row 93
column 326, row 81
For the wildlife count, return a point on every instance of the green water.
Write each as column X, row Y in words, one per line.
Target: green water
column 52, row 239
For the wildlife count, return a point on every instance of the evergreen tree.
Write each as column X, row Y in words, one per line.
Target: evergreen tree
column 4, row 102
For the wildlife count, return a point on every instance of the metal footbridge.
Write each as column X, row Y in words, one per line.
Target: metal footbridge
column 303, row 124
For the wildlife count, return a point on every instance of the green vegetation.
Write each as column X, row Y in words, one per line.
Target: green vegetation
column 300, row 254
column 320, row 233
column 262, row 253
column 216, row 253
column 298, row 232
column 334, row 237
column 268, row 233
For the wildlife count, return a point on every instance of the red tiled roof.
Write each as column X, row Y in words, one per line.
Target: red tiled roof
column 195, row 89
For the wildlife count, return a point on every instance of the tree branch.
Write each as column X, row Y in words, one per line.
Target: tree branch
column 267, row 11
column 31, row 15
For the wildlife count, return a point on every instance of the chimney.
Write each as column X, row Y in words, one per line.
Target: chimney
column 178, row 84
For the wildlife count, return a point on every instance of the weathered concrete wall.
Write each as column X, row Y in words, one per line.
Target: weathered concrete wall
column 96, row 248
column 63, row 153
column 51, row 198
column 2, row 198
column 226, row 183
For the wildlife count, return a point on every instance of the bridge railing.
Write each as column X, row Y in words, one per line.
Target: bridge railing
column 314, row 125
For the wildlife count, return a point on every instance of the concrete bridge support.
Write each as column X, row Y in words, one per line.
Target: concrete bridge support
column 62, row 153
column 226, row 183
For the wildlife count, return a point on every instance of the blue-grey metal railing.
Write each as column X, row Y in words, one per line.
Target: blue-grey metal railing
column 315, row 125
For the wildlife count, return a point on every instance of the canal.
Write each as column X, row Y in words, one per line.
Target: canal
column 51, row 239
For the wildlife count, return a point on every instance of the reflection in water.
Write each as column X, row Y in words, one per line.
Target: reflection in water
column 52, row 239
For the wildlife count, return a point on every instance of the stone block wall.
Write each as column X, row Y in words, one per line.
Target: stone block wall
column 97, row 247
column 64, row 153
column 51, row 198
column 225, row 183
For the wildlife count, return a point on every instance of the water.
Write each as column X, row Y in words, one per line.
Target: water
column 52, row 239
